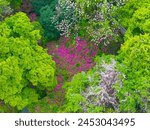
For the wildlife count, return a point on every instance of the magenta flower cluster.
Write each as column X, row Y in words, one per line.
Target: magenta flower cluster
column 72, row 59
column 32, row 17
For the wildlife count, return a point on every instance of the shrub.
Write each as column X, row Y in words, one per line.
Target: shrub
column 38, row 4
column 136, row 13
column 140, row 22
column 125, row 13
column 72, row 59
column 50, row 31
column 66, row 16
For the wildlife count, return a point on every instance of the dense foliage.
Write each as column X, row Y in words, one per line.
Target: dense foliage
column 45, row 10
column 135, row 93
column 137, row 13
column 72, row 59
column 23, row 64
column 74, row 56
column 93, row 91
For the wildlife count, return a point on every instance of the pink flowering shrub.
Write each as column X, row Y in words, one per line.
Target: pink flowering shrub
column 32, row 17
column 72, row 59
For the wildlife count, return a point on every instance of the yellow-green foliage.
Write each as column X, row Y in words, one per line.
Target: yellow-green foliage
column 140, row 22
column 134, row 16
column 126, row 13
column 134, row 96
column 22, row 62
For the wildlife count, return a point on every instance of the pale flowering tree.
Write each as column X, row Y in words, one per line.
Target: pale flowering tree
column 94, row 91
column 98, row 21
column 103, row 94
column 66, row 16
column 5, row 9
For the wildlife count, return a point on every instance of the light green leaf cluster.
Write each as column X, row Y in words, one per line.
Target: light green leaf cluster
column 23, row 64
column 134, row 16
column 134, row 96
column 140, row 22
column 126, row 12
column 73, row 93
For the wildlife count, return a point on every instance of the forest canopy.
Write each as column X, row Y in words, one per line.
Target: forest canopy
column 75, row 56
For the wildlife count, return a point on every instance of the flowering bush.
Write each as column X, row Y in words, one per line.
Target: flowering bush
column 66, row 16
column 93, row 91
column 5, row 9
column 72, row 59
column 32, row 17
column 98, row 20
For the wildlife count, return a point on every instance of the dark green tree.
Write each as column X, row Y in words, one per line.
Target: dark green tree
column 45, row 10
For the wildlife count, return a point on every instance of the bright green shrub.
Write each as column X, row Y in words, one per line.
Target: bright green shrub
column 134, row 96
column 140, row 22
column 126, row 12
column 134, row 16
column 24, row 66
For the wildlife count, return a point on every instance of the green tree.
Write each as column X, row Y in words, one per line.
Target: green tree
column 38, row 4
column 125, row 13
column 15, row 4
column 25, row 67
column 134, row 96
column 45, row 10
column 134, row 16
column 140, row 22
column 50, row 31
